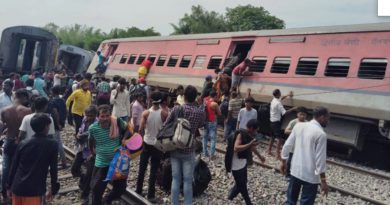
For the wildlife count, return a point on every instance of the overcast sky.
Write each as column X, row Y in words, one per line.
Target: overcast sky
column 107, row 14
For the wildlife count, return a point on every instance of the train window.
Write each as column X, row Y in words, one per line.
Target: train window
column 124, row 59
column 141, row 59
column 199, row 61
column 337, row 67
column 161, row 60
column 152, row 58
column 215, row 62
column 172, row 61
column 258, row 64
column 185, row 61
column 372, row 68
column 281, row 65
column 132, row 59
column 117, row 58
column 307, row 66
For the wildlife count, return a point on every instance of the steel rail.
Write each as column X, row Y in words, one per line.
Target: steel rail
column 346, row 166
column 332, row 187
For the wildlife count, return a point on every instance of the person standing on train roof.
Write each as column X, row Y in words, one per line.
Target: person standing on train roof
column 213, row 113
column 152, row 121
column 33, row 158
column 120, row 101
column 301, row 117
column 104, row 138
column 239, row 72
column 276, row 112
column 309, row 160
column 12, row 117
column 81, row 98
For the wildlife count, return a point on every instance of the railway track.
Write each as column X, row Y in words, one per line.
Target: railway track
column 339, row 164
column 129, row 197
column 332, row 187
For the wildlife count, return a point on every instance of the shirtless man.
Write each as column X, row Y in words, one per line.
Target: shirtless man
column 12, row 117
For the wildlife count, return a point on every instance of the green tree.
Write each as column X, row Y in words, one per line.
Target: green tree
column 90, row 38
column 200, row 21
column 245, row 18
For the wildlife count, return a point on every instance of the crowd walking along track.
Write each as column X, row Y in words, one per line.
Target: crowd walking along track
column 129, row 197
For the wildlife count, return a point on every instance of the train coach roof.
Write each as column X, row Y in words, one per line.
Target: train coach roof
column 30, row 30
column 276, row 32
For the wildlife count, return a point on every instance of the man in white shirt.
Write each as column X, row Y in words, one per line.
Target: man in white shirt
column 26, row 132
column 180, row 95
column 308, row 139
column 6, row 98
column 247, row 113
column 276, row 112
column 120, row 99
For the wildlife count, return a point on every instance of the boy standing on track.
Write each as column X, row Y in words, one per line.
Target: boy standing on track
column 309, row 160
column 104, row 137
column 33, row 157
column 301, row 117
column 276, row 112
column 152, row 121
column 213, row 112
column 244, row 145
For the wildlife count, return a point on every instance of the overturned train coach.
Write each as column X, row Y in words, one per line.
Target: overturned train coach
column 344, row 68
column 26, row 48
column 74, row 58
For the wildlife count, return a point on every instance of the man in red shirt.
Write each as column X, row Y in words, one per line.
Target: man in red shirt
column 240, row 71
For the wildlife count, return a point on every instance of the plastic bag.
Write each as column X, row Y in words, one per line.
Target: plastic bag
column 120, row 165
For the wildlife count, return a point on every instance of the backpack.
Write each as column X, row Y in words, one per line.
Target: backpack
column 175, row 134
column 263, row 117
column 201, row 178
column 230, row 151
column 200, row 181
column 224, row 107
column 245, row 138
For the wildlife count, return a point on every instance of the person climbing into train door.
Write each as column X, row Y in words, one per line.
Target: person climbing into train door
column 239, row 72
column 301, row 117
column 309, row 160
column 244, row 143
column 233, row 62
column 276, row 112
column 213, row 112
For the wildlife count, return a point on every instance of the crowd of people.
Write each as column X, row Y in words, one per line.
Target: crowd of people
column 34, row 110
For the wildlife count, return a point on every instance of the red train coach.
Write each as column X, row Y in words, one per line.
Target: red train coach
column 344, row 68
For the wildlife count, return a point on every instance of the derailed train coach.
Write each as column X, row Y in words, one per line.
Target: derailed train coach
column 26, row 48
column 344, row 68
column 74, row 58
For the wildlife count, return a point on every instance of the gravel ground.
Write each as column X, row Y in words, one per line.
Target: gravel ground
column 265, row 186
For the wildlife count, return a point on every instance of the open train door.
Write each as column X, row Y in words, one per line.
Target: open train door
column 239, row 47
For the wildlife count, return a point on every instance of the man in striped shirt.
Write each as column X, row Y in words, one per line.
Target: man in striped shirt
column 103, row 142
